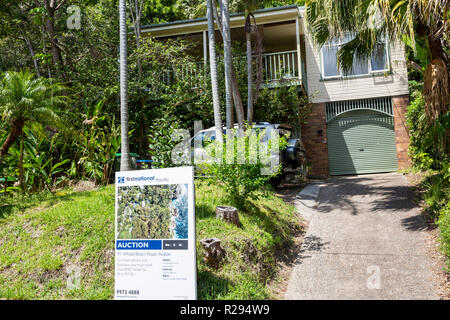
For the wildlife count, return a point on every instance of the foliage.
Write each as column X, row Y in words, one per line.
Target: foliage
column 97, row 144
column 444, row 226
column 436, row 196
column 370, row 20
column 282, row 105
column 244, row 170
column 170, row 90
column 162, row 139
column 428, row 140
column 7, row 166
column 24, row 100
column 437, row 191
column 43, row 171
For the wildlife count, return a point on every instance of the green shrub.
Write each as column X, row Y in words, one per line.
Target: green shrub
column 161, row 139
column 428, row 148
column 282, row 105
column 444, row 227
column 437, row 199
column 242, row 176
column 97, row 144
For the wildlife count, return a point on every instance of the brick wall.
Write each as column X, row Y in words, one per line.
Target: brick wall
column 400, row 104
column 315, row 142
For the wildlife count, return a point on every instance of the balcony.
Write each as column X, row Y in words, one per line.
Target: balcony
column 281, row 35
column 279, row 69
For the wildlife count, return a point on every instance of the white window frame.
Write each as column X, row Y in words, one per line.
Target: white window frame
column 369, row 62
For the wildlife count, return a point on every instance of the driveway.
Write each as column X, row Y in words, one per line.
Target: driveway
column 366, row 239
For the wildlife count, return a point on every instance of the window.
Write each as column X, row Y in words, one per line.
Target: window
column 330, row 64
column 378, row 62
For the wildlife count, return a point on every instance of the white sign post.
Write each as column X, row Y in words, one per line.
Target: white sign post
column 155, row 235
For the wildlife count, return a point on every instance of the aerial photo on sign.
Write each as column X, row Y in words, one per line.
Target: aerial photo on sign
column 153, row 212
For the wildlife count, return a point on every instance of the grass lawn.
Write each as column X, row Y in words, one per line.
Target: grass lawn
column 42, row 237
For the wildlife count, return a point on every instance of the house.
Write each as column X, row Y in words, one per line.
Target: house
column 357, row 125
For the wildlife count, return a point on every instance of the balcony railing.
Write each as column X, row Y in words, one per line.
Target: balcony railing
column 280, row 66
column 277, row 67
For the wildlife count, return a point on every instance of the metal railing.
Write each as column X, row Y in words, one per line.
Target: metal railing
column 191, row 72
column 280, row 66
column 277, row 66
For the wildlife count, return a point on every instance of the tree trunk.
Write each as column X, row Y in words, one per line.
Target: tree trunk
column 228, row 214
column 239, row 107
column 213, row 68
column 136, row 18
column 228, row 61
column 50, row 26
column 21, row 171
column 214, row 253
column 259, row 49
column 248, row 37
column 237, row 99
column 30, row 46
column 14, row 134
column 49, row 72
column 437, row 51
column 125, row 157
column 436, row 81
column 32, row 54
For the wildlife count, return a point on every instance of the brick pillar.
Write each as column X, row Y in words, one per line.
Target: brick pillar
column 401, row 104
column 314, row 137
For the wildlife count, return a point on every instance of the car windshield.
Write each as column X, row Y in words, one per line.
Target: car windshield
column 204, row 137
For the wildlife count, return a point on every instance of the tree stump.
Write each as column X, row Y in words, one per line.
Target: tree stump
column 229, row 214
column 214, row 253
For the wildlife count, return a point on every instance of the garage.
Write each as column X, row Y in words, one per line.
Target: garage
column 361, row 137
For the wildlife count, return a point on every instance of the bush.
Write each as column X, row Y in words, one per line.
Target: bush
column 437, row 199
column 282, row 105
column 242, row 176
column 428, row 141
column 97, row 144
column 161, row 140
column 444, row 226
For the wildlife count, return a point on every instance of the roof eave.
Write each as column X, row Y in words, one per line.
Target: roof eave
column 279, row 14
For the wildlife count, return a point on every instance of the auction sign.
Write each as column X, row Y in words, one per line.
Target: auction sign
column 155, row 235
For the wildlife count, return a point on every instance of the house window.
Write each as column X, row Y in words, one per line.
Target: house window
column 330, row 64
column 378, row 62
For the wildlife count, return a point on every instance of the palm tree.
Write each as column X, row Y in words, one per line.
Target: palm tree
column 237, row 99
column 24, row 100
column 225, row 7
column 250, row 5
column 125, row 145
column 213, row 68
column 371, row 20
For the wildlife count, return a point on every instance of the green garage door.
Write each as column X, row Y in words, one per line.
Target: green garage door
column 361, row 141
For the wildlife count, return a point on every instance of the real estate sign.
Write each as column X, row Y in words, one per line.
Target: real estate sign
column 155, row 235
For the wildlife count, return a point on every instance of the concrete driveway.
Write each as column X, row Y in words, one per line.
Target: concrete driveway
column 366, row 239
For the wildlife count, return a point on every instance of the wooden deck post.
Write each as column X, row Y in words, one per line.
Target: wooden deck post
column 205, row 47
column 299, row 57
